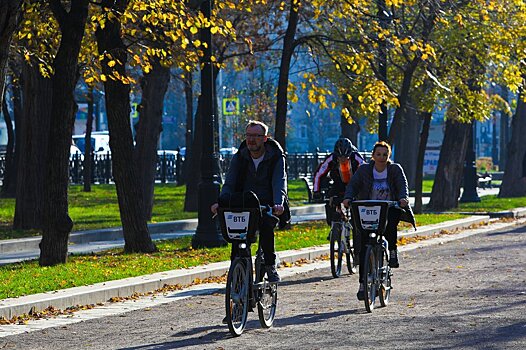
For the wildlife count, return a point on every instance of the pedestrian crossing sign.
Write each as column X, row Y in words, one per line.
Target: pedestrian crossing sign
column 230, row 106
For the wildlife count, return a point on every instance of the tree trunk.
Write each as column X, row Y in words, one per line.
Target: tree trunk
column 149, row 127
column 10, row 11
column 407, row 142
column 448, row 177
column 350, row 131
column 88, row 152
column 9, row 166
column 57, row 224
column 189, row 135
column 194, row 163
column 514, row 180
column 504, row 131
column 424, row 134
column 33, row 129
column 284, row 69
column 136, row 235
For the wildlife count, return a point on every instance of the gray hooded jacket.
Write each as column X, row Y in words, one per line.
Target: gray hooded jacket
column 361, row 185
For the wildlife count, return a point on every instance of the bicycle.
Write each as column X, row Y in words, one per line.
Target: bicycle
column 370, row 219
column 246, row 286
column 340, row 241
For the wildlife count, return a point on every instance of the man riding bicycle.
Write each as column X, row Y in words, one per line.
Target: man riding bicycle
column 339, row 166
column 259, row 166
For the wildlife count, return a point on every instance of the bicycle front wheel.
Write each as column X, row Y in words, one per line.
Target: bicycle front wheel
column 236, row 297
column 267, row 304
column 350, row 258
column 370, row 279
column 384, row 291
column 336, row 251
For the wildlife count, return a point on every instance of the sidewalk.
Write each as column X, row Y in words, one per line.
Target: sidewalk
column 101, row 292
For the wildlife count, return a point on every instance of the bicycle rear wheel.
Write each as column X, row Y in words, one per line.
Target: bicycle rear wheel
column 384, row 290
column 370, row 279
column 267, row 304
column 336, row 251
column 236, row 297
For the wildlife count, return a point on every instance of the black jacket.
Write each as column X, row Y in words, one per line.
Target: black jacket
column 242, row 175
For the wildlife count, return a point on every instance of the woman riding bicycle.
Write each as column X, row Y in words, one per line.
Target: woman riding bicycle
column 381, row 179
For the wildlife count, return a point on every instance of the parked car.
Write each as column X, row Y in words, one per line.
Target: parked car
column 100, row 142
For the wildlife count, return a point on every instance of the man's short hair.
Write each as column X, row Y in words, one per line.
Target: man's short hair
column 258, row 123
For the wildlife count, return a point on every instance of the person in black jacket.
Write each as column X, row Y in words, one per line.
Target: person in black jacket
column 381, row 179
column 259, row 166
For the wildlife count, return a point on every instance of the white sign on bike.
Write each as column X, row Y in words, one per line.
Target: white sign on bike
column 237, row 224
column 369, row 216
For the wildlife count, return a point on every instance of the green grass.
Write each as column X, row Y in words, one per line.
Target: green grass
column 29, row 278
column 99, row 208
column 492, row 203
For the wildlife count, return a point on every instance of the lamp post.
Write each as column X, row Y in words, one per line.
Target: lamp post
column 469, row 194
column 207, row 233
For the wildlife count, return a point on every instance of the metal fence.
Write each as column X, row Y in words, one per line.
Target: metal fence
column 170, row 167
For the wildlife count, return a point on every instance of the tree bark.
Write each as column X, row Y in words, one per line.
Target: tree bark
column 514, row 180
column 136, row 235
column 32, row 132
column 10, row 11
column 446, row 187
column 10, row 165
column 149, row 127
column 407, row 143
column 424, row 134
column 88, row 152
column 57, row 224
column 504, row 131
column 11, row 169
column 284, row 69
column 189, row 134
column 350, row 131
column 194, row 164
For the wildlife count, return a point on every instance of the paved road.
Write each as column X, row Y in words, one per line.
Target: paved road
column 467, row 293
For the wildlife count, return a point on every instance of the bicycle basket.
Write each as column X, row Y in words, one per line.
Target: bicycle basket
column 370, row 215
column 239, row 214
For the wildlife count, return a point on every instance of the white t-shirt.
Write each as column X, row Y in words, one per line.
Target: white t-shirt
column 380, row 189
column 257, row 161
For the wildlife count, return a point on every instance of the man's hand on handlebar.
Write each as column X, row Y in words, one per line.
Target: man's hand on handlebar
column 346, row 202
column 278, row 209
column 403, row 202
column 214, row 207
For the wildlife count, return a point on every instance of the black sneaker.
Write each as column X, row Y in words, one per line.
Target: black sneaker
column 272, row 274
column 361, row 293
column 225, row 321
column 393, row 259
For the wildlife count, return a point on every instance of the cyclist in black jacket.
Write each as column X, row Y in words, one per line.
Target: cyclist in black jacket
column 259, row 166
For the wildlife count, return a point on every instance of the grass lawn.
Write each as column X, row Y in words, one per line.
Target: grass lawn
column 29, row 278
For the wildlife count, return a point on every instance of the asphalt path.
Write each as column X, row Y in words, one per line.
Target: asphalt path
column 461, row 292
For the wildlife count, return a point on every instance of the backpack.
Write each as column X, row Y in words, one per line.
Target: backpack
column 284, row 219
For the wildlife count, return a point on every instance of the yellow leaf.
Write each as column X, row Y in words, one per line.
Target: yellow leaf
column 111, row 63
column 193, row 30
column 103, row 77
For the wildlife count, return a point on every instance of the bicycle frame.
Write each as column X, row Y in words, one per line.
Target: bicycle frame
column 370, row 218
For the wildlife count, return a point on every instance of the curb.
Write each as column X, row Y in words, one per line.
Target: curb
column 101, row 292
